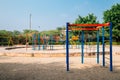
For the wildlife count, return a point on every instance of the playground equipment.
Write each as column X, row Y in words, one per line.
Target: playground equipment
column 89, row 27
column 42, row 42
column 51, row 44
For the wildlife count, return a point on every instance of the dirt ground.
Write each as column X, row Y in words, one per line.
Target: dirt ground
column 54, row 68
column 14, row 67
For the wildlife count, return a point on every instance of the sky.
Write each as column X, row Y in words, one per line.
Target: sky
column 48, row 14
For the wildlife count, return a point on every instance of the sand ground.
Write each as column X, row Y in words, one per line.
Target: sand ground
column 54, row 68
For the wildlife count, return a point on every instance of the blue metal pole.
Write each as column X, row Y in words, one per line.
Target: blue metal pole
column 33, row 42
column 44, row 42
column 38, row 41
column 67, row 47
column 82, row 46
column 51, row 42
column 98, row 47
column 111, row 66
column 103, row 46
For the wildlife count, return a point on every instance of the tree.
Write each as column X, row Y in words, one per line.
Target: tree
column 59, row 28
column 113, row 15
column 15, row 32
column 26, row 31
column 89, row 19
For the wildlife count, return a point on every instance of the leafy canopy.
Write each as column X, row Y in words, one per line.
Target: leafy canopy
column 113, row 15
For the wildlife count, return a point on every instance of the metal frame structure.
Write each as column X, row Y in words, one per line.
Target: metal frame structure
column 36, row 39
column 89, row 27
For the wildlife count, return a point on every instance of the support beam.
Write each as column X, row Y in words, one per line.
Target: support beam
column 38, row 41
column 89, row 25
column 85, row 29
column 98, row 47
column 82, row 48
column 33, row 41
column 67, row 47
column 51, row 42
column 111, row 65
column 103, row 46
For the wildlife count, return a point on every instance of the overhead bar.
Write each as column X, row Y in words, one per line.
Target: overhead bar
column 89, row 25
column 85, row 29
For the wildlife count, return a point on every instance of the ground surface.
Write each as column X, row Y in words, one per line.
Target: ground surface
column 36, row 68
column 56, row 49
column 54, row 68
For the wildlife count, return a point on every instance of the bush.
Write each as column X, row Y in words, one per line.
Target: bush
column 3, row 43
column 116, row 43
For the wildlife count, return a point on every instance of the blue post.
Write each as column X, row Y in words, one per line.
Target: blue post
column 44, row 47
column 38, row 41
column 103, row 46
column 51, row 42
column 67, row 47
column 44, row 43
column 98, row 46
column 111, row 66
column 82, row 48
column 33, row 41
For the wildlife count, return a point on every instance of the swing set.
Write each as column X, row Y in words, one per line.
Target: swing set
column 89, row 27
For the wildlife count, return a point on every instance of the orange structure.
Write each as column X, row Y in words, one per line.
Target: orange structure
column 89, row 27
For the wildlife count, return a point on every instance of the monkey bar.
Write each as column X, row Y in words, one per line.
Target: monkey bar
column 89, row 27
column 85, row 29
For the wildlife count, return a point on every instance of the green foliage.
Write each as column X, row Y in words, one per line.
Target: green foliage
column 27, row 31
column 59, row 28
column 113, row 15
column 3, row 32
column 15, row 32
column 50, row 32
column 4, row 37
column 116, row 43
column 90, row 18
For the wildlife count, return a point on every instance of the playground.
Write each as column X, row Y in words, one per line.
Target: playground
column 66, row 62
column 59, row 40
